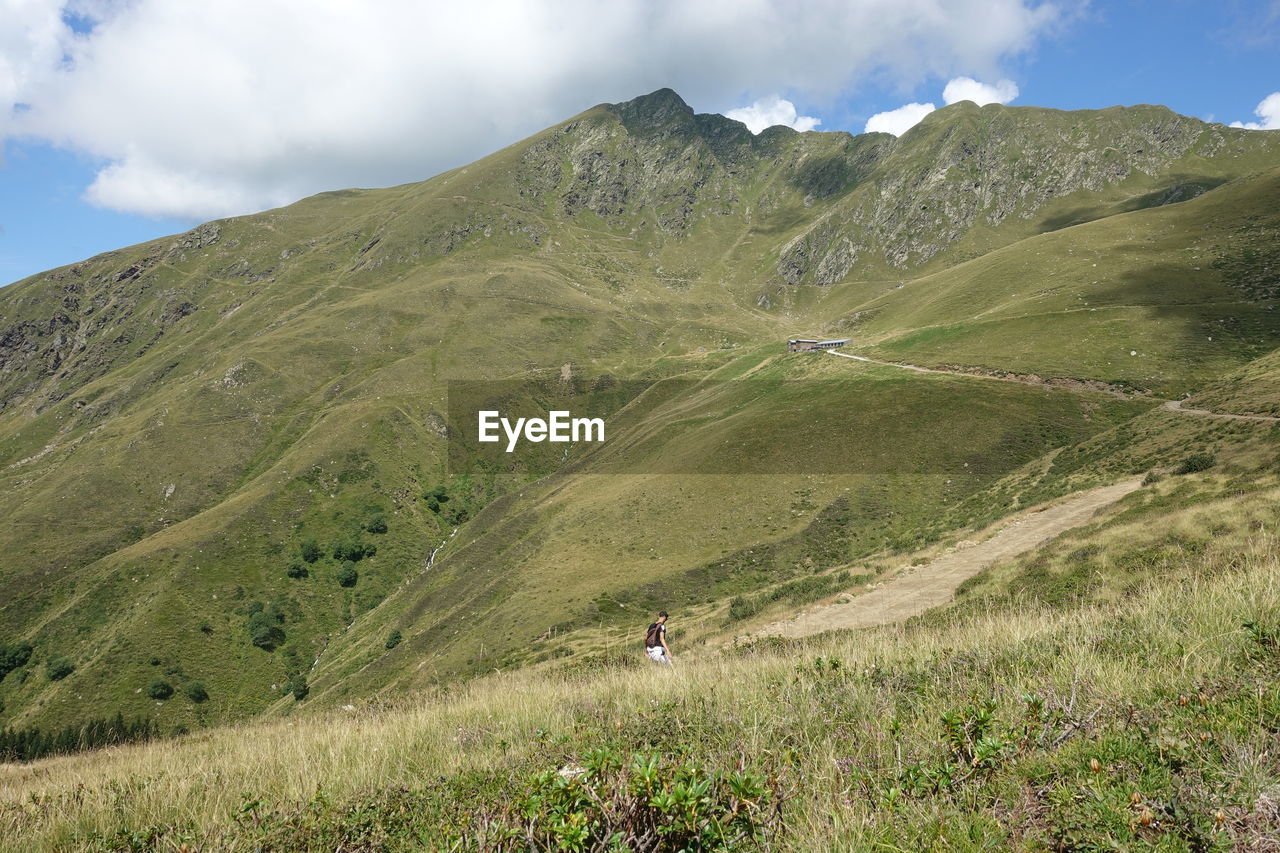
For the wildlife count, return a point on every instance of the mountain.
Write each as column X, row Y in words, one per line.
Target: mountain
column 225, row 454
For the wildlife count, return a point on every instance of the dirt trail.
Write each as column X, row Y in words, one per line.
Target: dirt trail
column 1170, row 405
column 915, row 590
column 1176, row 406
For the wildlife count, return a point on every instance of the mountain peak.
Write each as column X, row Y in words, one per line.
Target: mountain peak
column 663, row 109
column 657, row 104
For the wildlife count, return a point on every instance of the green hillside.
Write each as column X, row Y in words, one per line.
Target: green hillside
column 224, row 455
column 1144, row 719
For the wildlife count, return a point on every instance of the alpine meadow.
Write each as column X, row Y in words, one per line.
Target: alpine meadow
column 999, row 571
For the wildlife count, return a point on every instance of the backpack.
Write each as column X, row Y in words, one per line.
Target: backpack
column 652, row 637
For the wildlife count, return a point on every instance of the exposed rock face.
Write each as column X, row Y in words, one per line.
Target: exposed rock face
column 980, row 167
column 657, row 156
column 900, row 202
column 108, row 312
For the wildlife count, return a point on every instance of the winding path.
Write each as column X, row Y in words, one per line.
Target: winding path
column 1170, row 405
column 917, row 589
column 1176, row 406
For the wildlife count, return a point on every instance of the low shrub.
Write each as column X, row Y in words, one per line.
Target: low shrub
column 264, row 626
column 353, row 550
column 59, row 668
column 1194, row 463
column 613, row 803
column 12, row 656
column 347, row 574
column 160, row 689
column 310, row 550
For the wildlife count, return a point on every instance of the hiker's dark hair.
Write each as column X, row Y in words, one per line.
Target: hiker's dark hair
column 662, row 613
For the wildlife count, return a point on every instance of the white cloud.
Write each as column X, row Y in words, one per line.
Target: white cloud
column 772, row 110
column 958, row 89
column 968, row 89
column 202, row 109
column 898, row 121
column 1268, row 111
column 31, row 42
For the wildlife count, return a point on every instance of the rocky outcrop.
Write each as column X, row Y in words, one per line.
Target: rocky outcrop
column 965, row 167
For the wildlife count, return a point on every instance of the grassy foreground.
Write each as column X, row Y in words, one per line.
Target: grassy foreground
column 1149, row 722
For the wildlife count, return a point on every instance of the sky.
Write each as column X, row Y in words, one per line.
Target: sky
column 126, row 120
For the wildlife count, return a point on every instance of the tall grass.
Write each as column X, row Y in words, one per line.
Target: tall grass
column 875, row 738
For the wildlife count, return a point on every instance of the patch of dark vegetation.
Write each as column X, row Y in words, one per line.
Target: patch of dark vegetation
column 310, row 550
column 59, row 668
column 265, row 625
column 376, row 523
column 353, row 549
column 160, row 689
column 1195, row 463
column 452, row 506
column 13, row 656
column 347, row 574
column 28, row 744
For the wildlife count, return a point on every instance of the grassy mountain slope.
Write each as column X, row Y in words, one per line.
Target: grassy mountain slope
column 182, row 420
column 1148, row 721
column 1165, row 299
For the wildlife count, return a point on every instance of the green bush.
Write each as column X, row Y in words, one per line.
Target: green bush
column 611, row 803
column 195, row 692
column 299, row 688
column 1194, row 463
column 353, row 550
column 59, row 668
column 310, row 550
column 12, row 656
column 160, row 689
column 347, row 574
column 297, row 569
column 742, row 607
column 266, row 636
column 455, row 515
column 393, row 639
column 435, row 498
column 376, row 523
column 264, row 628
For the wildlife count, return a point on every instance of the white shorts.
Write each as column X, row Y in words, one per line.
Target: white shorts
column 658, row 654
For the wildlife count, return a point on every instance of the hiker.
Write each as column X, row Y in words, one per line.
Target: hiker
column 655, row 641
